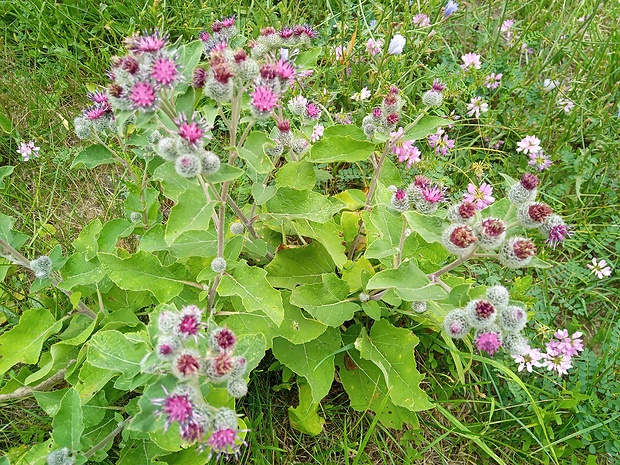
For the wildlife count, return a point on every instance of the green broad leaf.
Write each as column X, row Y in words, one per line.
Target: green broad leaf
column 352, row 273
column 392, row 350
column 372, row 309
column 428, row 226
column 508, row 181
column 251, row 285
column 354, row 198
column 305, row 417
column 252, row 347
column 262, row 193
column 299, row 265
column 49, row 401
column 459, row 295
column 291, row 204
column 426, row 126
column 5, row 172
column 68, row 423
column 313, row 360
column 185, row 102
column 191, row 213
column 296, row 327
column 252, row 152
column 111, row 232
column 384, row 227
column 308, row 57
column 538, row 263
column 499, row 209
column 173, row 184
column 326, row 301
column 334, row 148
column 36, row 454
column 142, row 451
column 100, row 432
column 23, row 342
column 14, row 238
column 116, row 351
column 296, row 175
column 92, row 379
column 389, row 176
column 189, row 56
column 142, row 198
column 5, row 124
column 225, row 173
column 78, row 271
column 350, row 223
column 93, row 155
column 188, row 244
column 86, row 242
column 408, row 281
column 329, row 234
column 142, row 271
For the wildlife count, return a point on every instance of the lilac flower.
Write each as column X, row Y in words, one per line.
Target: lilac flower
column 28, row 149
column 421, row 20
column 565, row 104
column 565, row 344
column 600, row 268
column 164, row 71
column 363, row 94
column 192, row 130
column 492, row 81
column 440, row 142
column 480, row 196
column 539, row 160
column 225, row 442
column 488, row 342
column 506, row 25
column 476, row 107
column 559, row 363
column 406, row 152
column 470, row 60
column 529, row 144
column 529, row 360
column 338, row 50
column 451, row 7
column 317, row 132
column 373, row 47
column 397, row 45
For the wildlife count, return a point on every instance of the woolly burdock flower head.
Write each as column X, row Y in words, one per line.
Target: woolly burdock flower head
column 210, row 163
column 264, row 100
column 517, row 252
column 237, row 228
column 178, row 407
column 222, row 339
column 164, row 71
column 167, row 321
column 459, row 239
column 237, row 387
column 463, row 212
column 515, row 343
column 533, row 214
column 167, row 347
column 429, row 198
column 525, row 190
column 481, row 313
column 512, row 318
column 399, row 200
column 456, row 324
column 225, row 442
column 498, row 295
column 192, row 130
column 190, row 322
column 220, row 367
column 218, row 265
column 419, row 306
column 186, row 364
column 167, row 149
column 225, row 418
column 188, row 165
column 555, row 230
column 488, row 340
column 142, row 96
column 490, row 232
column 60, row 457
column 148, row 42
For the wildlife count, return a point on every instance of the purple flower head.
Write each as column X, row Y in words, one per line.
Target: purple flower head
column 225, row 442
column 28, row 149
column 539, row 160
column 529, row 360
column 421, row 20
column 450, row 8
column 190, row 322
column 462, row 237
column 433, row 193
column 164, row 71
column 192, row 130
column 488, row 342
column 99, row 97
column 150, row 42
column 186, row 364
column 529, row 181
column 312, row 111
column 264, row 99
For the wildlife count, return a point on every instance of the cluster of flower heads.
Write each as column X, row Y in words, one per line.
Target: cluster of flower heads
column 97, row 118
column 468, row 231
column 422, row 194
column 385, row 118
column 558, row 354
column 270, row 39
column 495, row 322
column 178, row 344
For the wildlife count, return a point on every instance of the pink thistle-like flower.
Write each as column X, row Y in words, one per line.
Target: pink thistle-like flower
column 264, row 99
column 470, row 60
column 99, row 97
column 462, row 237
column 285, row 70
column 186, row 364
column 204, row 36
column 492, row 81
column 312, row 111
column 539, row 160
column 199, row 78
column 190, row 322
column 599, row 268
column 488, row 342
column 432, row 193
column 192, row 431
column 225, row 442
column 373, row 47
column 286, row 33
column 529, row 144
column 421, row 20
column 142, row 94
column 191, row 130
column 528, row 360
column 178, row 408
column 28, row 149
column 223, row 339
column 229, row 22
column 152, row 42
column 164, row 71
column 95, row 112
column 480, row 196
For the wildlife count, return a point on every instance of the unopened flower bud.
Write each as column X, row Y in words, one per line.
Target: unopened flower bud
column 42, row 266
column 498, row 296
column 210, row 163
column 218, row 265
column 188, row 165
column 419, row 306
column 432, row 98
column 167, row 149
column 456, row 324
column 135, row 217
column 225, row 418
column 237, row 228
column 237, row 387
column 512, row 318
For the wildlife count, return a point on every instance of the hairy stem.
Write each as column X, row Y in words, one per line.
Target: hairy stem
column 403, row 235
column 450, row 266
column 27, row 391
column 107, row 439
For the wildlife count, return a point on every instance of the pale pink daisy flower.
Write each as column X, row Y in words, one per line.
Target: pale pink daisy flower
column 557, row 362
column 480, row 196
column 363, row 94
column 529, row 144
column 317, row 132
column 476, row 107
column 407, row 152
column 566, row 104
column 599, row 268
column 506, row 25
column 440, row 142
column 539, row 160
column 28, row 149
column 528, row 360
column 470, row 60
column 373, row 47
column 421, row 20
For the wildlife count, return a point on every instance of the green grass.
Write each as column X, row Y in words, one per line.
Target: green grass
column 52, row 50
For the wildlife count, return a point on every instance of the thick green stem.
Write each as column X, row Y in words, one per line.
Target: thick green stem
column 450, row 266
column 107, row 439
